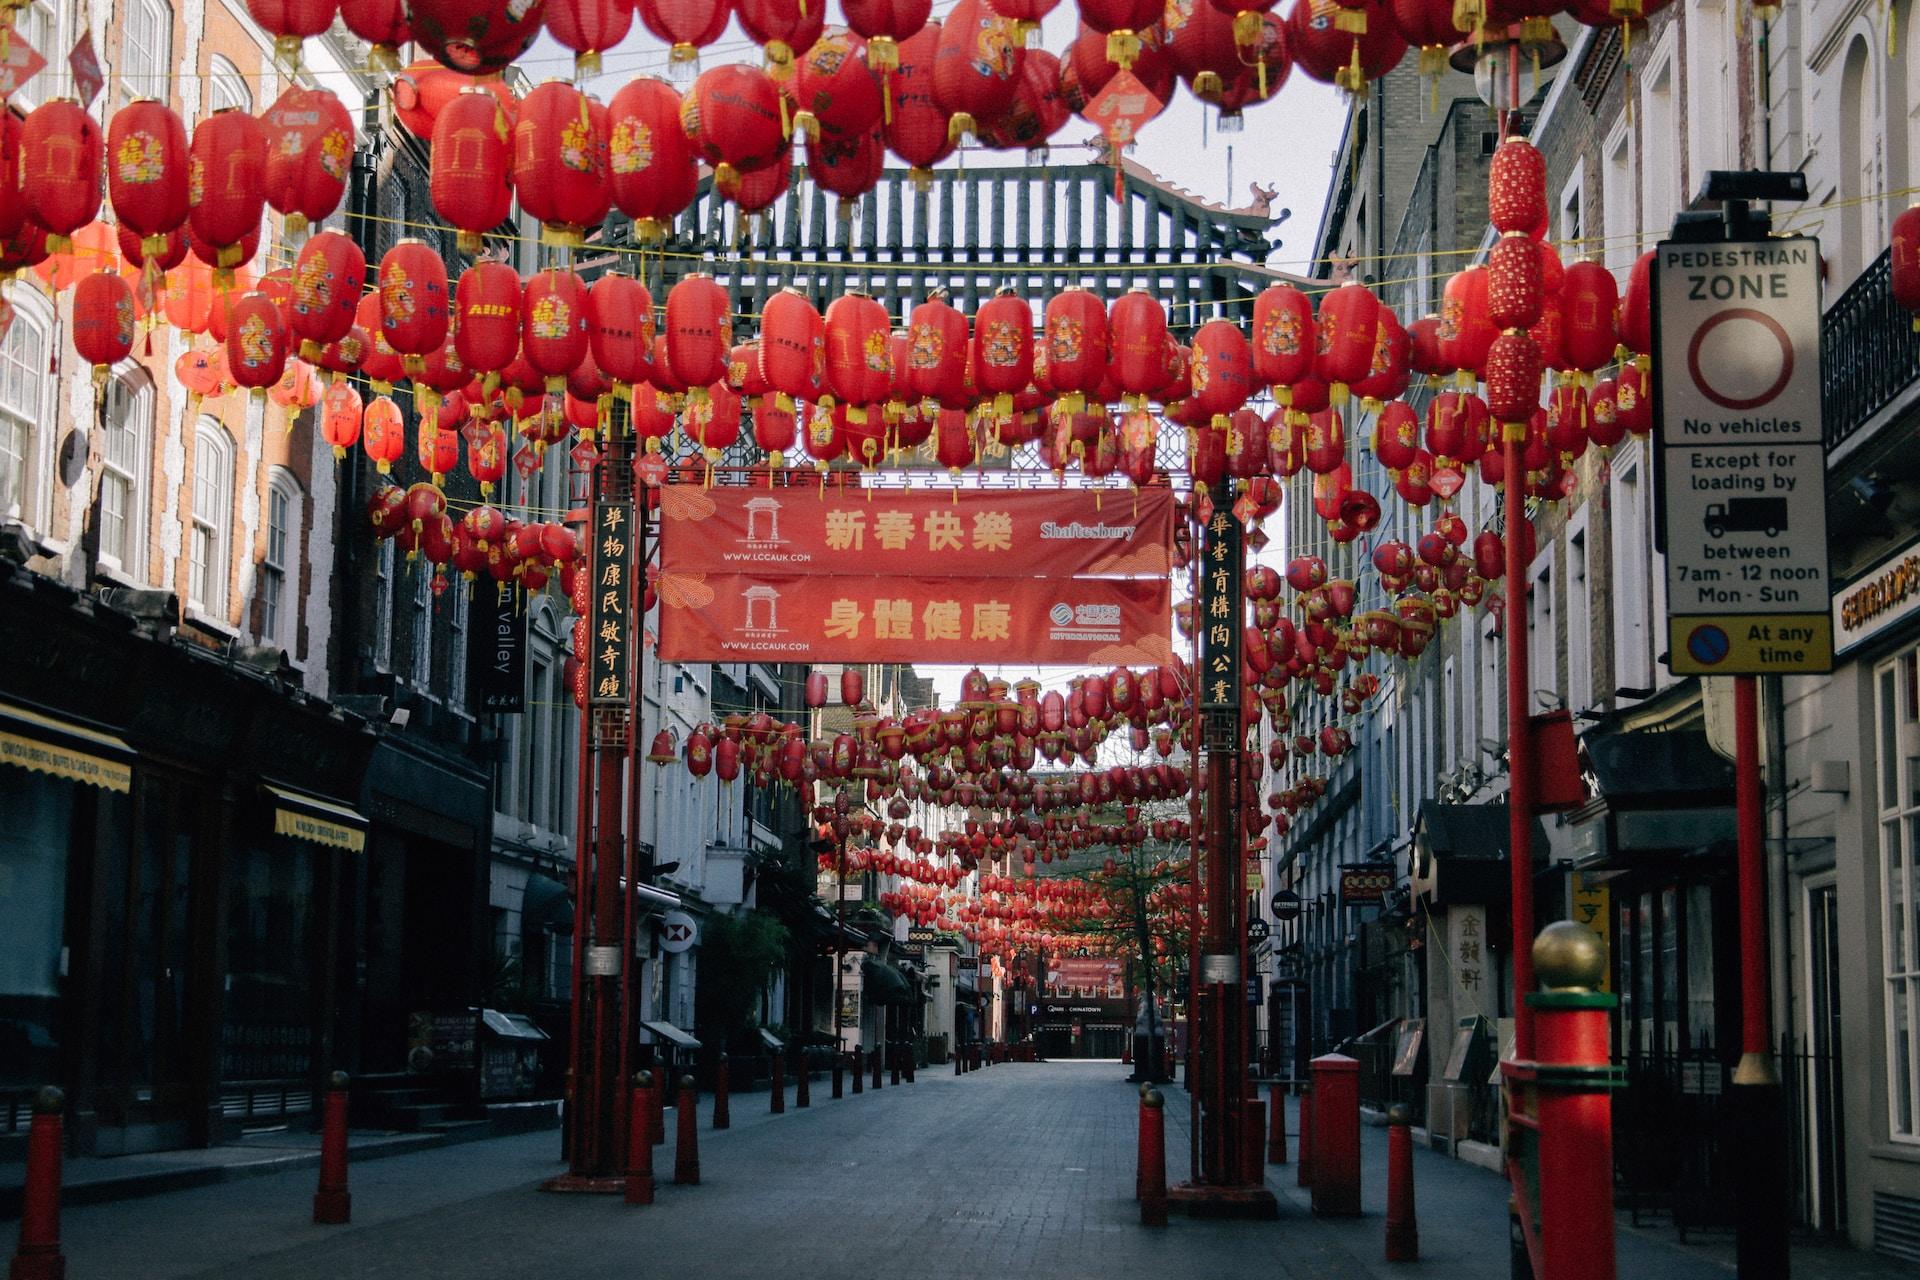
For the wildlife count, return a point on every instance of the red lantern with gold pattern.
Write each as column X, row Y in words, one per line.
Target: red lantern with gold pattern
column 732, row 117
column 383, row 433
column 1348, row 45
column 1137, row 329
column 1344, row 337
column 1456, row 427
column 1220, row 369
column 1325, row 442
column 1003, row 347
column 553, row 325
column 475, row 36
column 487, row 301
column 834, row 90
column 467, row 173
column 1076, row 345
column 976, row 66
column 1387, row 373
column 147, row 164
column 1123, row 24
column 309, row 141
column 712, row 421
column 847, row 166
column 256, row 342
column 1517, row 187
column 938, row 361
column 792, row 350
column 1633, row 400
column 103, row 321
column 1604, row 428
column 1588, row 301
column 1513, row 282
column 324, row 294
column 651, row 168
column 1396, row 435
column 60, row 176
column 1636, row 308
column 699, row 332
column 560, row 154
column 1283, row 339
column 340, row 411
column 226, row 183
column 1513, row 377
column 859, row 350
column 588, row 27
column 413, row 300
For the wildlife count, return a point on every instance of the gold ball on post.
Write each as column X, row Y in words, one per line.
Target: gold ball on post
column 1569, row 957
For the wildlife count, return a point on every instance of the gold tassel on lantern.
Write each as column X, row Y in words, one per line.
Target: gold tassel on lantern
column 683, row 64
column 1123, row 47
column 1470, row 16
column 1353, row 21
column 959, row 127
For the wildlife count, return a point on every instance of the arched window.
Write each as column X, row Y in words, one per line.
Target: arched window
column 280, row 567
column 146, row 49
column 36, row 25
column 212, row 519
column 226, row 87
column 1860, row 140
column 24, row 388
column 124, row 453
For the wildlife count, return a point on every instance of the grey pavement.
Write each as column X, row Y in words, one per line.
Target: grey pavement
column 1019, row 1170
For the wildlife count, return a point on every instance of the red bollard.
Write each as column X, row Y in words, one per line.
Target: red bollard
column 1140, row 1149
column 777, row 1074
column 1153, row 1160
column 1253, row 1124
column 333, row 1203
column 1403, row 1230
column 1277, row 1126
column 640, row 1141
column 1336, row 1135
column 1303, row 1168
column 722, row 1086
column 802, row 1085
column 686, row 1146
column 39, row 1256
column 857, row 1061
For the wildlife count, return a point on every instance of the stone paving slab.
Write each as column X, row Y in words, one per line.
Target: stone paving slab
column 1017, row 1171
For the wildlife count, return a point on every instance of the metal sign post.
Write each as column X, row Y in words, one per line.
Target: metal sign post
column 1741, row 474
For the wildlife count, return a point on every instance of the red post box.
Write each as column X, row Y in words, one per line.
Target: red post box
column 1336, row 1135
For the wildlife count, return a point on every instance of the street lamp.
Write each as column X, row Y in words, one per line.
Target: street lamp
column 1493, row 60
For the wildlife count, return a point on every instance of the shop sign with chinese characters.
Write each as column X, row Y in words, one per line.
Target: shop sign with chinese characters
column 1468, row 965
column 1220, row 614
column 611, row 621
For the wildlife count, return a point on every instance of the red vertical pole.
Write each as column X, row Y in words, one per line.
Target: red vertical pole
column 333, row 1203
column 640, row 1141
column 686, row 1144
column 1572, row 1081
column 1403, row 1228
column 38, row 1255
column 1153, row 1160
column 1519, row 748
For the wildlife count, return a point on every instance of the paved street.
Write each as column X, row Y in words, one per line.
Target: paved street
column 1021, row 1170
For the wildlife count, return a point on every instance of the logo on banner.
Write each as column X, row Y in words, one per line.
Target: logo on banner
column 763, row 613
column 1084, row 622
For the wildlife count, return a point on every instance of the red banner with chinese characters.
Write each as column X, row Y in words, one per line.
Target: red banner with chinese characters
column 1082, row 622
column 1055, row 534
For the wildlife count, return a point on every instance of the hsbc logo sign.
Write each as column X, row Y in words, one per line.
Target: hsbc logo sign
column 678, row 932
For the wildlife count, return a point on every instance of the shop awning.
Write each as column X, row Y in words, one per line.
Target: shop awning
column 547, row 903
column 64, row 749
column 672, row 1035
column 1460, row 852
column 883, row 984
column 307, row 817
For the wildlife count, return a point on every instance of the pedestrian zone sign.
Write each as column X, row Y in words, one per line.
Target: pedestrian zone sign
column 1741, row 466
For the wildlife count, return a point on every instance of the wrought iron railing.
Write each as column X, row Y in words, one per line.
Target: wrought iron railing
column 1869, row 353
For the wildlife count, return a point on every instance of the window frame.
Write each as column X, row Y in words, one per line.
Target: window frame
column 223, row 77
column 1661, row 108
column 128, row 560
column 1578, row 580
column 1619, row 208
column 385, row 564
column 1630, row 551
column 1543, row 627
column 458, row 639
column 420, row 655
column 30, row 503
column 211, row 443
column 155, row 81
column 280, row 612
column 49, row 83
column 1897, row 824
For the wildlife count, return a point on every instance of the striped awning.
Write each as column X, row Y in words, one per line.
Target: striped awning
column 46, row 744
column 306, row 817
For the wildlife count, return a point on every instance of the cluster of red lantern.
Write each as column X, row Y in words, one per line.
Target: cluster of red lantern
column 482, row 540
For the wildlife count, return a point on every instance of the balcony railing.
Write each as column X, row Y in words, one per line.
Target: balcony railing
column 1869, row 353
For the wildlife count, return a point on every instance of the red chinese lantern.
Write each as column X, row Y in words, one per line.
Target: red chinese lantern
column 938, row 361
column 732, row 116
column 383, row 433
column 1604, row 428
column 918, row 129
column 1513, row 378
column 784, row 29
column 1037, row 110
column 886, row 25
column 226, row 184
column 413, row 300
column 103, row 321
column 309, row 155
column 620, row 330
column 1283, row 339
column 859, row 353
column 699, row 334
column 753, row 192
column 976, row 66
column 833, row 89
column 687, row 25
column 1588, row 300
column 1456, row 426
column 324, row 293
column 712, row 421
column 853, row 685
column 1003, row 345
column 383, row 25
column 1387, row 372
column 1633, row 400
column 792, row 352
column 1124, row 24
column 1466, row 329
column 147, row 166
column 1636, row 309
column 1075, row 332
column 340, row 410
column 467, row 174
column 1220, row 369
column 587, row 27
column 1396, row 435
column 59, row 168
column 256, row 342
column 1513, row 282
column 1344, row 337
column 1325, row 441
column 1517, row 187
column 560, row 152
column 847, row 167
column 1905, row 262
column 553, row 325
column 291, row 21
column 475, row 36
column 651, row 168
column 1343, row 44
column 487, row 302
column 1137, row 329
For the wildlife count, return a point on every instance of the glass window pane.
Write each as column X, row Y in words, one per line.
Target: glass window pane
column 1889, row 739
column 1900, row 994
